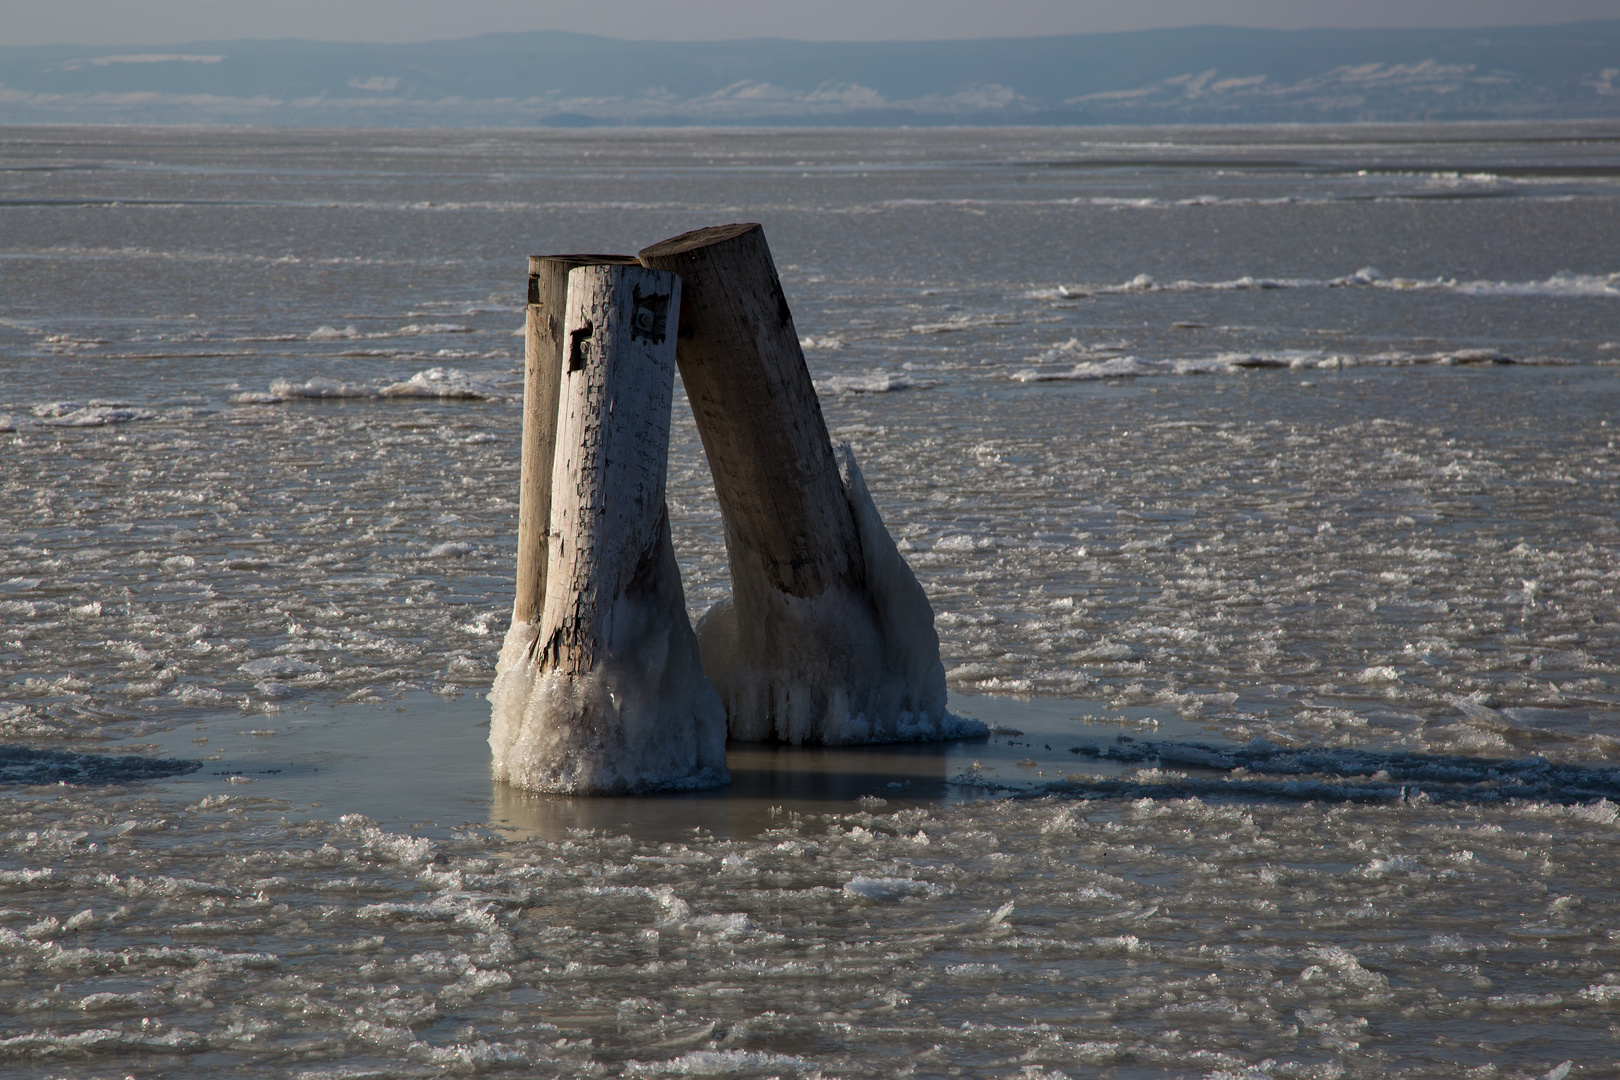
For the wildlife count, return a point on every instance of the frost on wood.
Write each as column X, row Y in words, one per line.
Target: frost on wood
column 607, row 693
column 827, row 638
column 642, row 718
column 858, row 663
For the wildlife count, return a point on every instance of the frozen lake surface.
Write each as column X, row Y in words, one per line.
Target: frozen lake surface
column 1264, row 484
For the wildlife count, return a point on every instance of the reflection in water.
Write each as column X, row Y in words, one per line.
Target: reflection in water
column 1029, row 747
column 423, row 763
column 767, row 783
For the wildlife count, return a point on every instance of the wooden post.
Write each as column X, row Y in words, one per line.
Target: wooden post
column 542, row 377
column 610, row 696
column 827, row 637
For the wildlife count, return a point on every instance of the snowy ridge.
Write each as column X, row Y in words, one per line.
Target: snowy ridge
column 1165, row 76
column 75, row 414
column 873, row 382
column 1127, row 367
column 349, row 333
column 1563, row 284
column 437, row 382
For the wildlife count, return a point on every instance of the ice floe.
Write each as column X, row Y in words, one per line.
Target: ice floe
column 436, row 382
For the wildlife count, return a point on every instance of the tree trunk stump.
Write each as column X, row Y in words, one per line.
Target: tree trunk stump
column 609, row 695
column 542, row 380
column 828, row 637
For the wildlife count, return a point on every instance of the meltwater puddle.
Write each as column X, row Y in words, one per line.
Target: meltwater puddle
column 421, row 763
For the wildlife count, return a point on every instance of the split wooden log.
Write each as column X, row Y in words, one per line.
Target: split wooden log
column 828, row 637
column 542, row 378
column 610, row 695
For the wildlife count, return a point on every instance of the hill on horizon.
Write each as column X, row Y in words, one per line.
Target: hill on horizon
column 1198, row 75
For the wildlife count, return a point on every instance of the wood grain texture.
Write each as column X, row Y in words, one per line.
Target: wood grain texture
column 607, row 693
column 611, row 457
column 827, row 637
column 757, row 410
column 542, row 368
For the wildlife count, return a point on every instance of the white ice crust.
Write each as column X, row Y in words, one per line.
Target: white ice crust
column 853, row 665
column 616, row 730
column 645, row 719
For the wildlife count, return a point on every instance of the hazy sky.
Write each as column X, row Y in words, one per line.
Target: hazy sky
column 103, row 22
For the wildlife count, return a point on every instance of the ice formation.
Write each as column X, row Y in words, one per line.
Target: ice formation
column 607, row 693
column 1561, row 284
column 871, row 382
column 1258, row 548
column 645, row 720
column 435, row 382
column 1292, row 940
column 857, row 664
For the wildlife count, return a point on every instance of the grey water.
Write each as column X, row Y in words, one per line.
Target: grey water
column 1263, row 482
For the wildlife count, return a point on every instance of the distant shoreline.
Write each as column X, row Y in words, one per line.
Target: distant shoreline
column 1200, row 76
column 1381, row 130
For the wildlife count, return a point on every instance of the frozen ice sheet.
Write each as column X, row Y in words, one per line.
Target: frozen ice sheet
column 207, row 928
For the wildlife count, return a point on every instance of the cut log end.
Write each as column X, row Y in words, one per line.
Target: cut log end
column 697, row 238
column 537, row 263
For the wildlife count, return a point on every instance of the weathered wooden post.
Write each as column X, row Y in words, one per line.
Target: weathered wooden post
column 828, row 637
column 608, row 693
column 542, row 380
